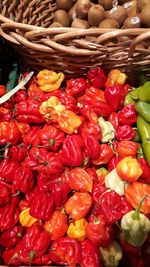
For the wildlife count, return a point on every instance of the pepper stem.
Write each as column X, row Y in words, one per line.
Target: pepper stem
column 136, row 215
column 31, row 256
column 15, row 256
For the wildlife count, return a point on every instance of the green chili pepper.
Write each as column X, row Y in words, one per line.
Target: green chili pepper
column 144, row 130
column 144, row 92
column 143, row 108
column 137, row 137
column 128, row 100
column 135, row 93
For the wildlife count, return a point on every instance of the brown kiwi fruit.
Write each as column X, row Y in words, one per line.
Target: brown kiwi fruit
column 64, row 4
column 80, row 23
column 109, row 23
column 145, row 15
column 82, row 8
column 132, row 22
column 95, row 15
column 62, row 17
column 142, row 3
column 72, row 13
column 131, row 8
column 118, row 13
column 107, row 4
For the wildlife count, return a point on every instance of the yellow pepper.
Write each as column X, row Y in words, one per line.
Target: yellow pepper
column 52, row 108
column 49, row 80
column 76, row 229
column 69, row 122
column 26, row 220
column 115, row 76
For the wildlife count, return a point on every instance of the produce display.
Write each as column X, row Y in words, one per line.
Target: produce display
column 125, row 14
column 75, row 170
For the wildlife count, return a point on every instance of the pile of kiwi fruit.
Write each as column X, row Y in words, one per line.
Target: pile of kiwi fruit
column 85, row 14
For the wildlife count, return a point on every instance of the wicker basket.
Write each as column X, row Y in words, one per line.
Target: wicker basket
column 25, row 25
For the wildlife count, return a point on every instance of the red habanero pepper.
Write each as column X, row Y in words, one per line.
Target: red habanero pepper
column 28, row 111
column 88, row 113
column 113, row 118
column 92, row 95
column 23, row 180
column 90, row 254
column 78, row 205
column 2, row 90
column 127, row 115
column 6, row 190
column 17, row 153
column 87, row 128
column 126, row 148
column 115, row 96
column 50, row 137
column 60, row 192
column 96, row 77
column 145, row 177
column 102, row 108
column 11, row 237
column 9, row 258
column 24, row 128
column 91, row 146
column 66, row 251
column 105, row 155
column 20, row 96
column 125, row 132
column 57, row 225
column 8, row 169
column 72, row 147
column 5, row 114
column 76, row 87
column 112, row 206
column 97, row 191
column 23, row 204
column 101, row 173
column 42, row 206
column 34, row 243
column 9, row 133
column 9, row 214
column 98, row 231
column 113, row 163
column 93, row 172
column 31, row 138
column 80, row 180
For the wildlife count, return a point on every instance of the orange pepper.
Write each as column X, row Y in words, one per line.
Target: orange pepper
column 69, row 122
column 129, row 169
column 76, row 229
column 134, row 192
column 80, row 179
column 101, row 173
column 115, row 76
column 49, row 80
column 26, row 220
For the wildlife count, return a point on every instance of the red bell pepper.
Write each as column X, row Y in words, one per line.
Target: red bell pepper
column 126, row 148
column 112, row 206
column 145, row 177
column 105, row 155
column 127, row 115
column 90, row 254
column 9, row 133
column 34, row 243
column 32, row 138
column 23, row 180
column 17, row 153
column 66, row 251
column 115, row 96
column 11, row 237
column 76, row 87
column 72, row 154
column 98, row 231
column 42, row 206
column 78, row 205
column 80, row 180
column 96, row 77
column 8, row 169
column 50, row 137
column 28, row 111
column 9, row 214
column 91, row 146
column 6, row 190
column 125, row 132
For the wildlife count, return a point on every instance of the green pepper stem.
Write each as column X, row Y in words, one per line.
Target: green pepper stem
column 31, row 256
column 135, row 215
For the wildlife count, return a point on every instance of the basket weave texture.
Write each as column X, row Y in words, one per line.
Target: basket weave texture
column 25, row 24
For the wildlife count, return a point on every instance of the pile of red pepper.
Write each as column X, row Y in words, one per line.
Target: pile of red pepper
column 72, row 172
